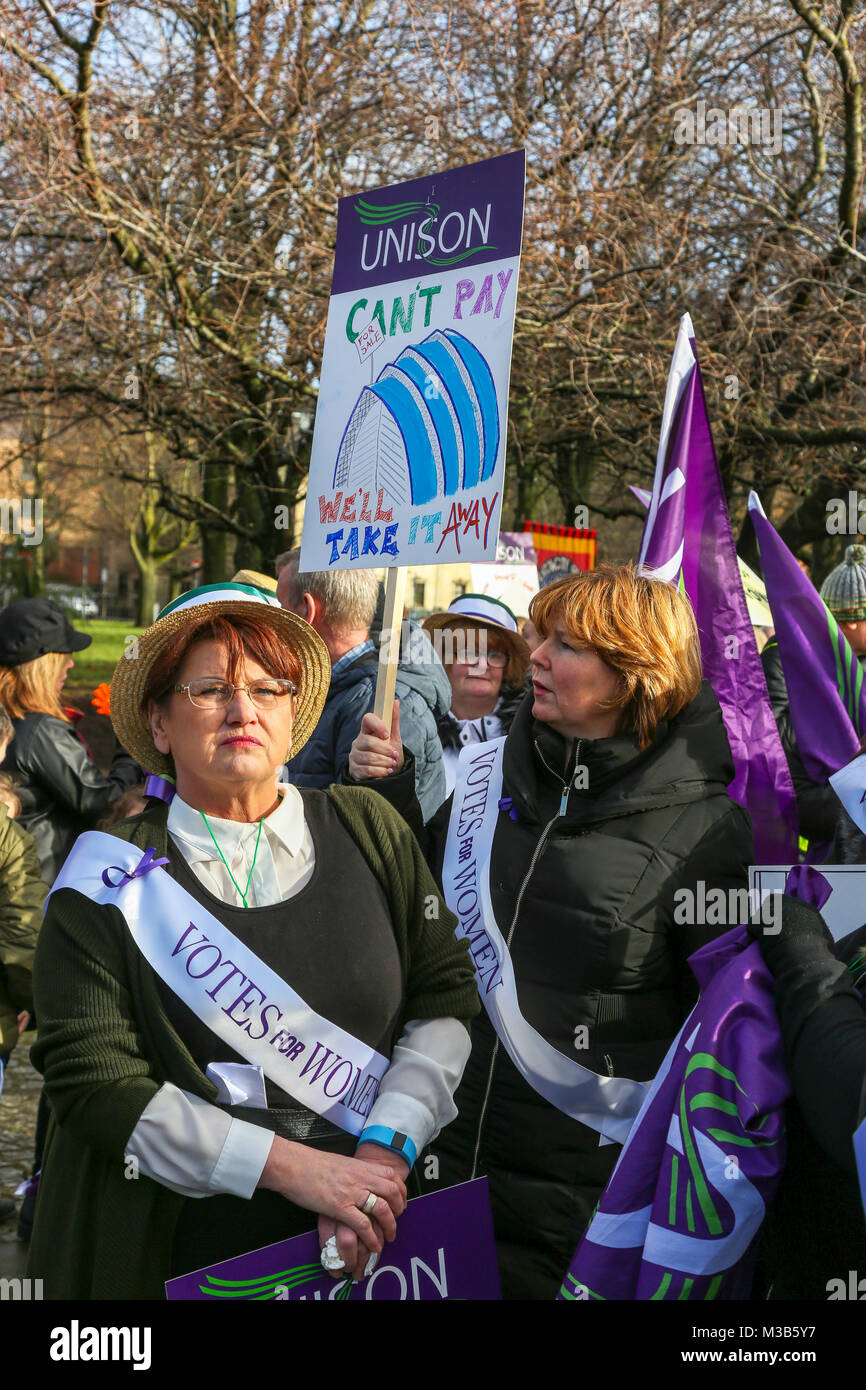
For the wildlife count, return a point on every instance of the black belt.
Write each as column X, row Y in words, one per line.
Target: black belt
column 289, row 1122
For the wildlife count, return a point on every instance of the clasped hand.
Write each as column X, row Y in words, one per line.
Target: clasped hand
column 337, row 1188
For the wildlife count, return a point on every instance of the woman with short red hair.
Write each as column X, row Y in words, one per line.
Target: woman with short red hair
column 580, row 858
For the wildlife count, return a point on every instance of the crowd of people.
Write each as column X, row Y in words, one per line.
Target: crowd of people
column 254, row 793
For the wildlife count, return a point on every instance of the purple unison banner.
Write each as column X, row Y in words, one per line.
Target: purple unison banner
column 408, row 452
column 515, row 548
column 444, row 1250
column 825, row 683
column 678, row 1218
column 688, row 541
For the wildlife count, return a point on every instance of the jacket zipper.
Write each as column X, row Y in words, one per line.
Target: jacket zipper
column 566, row 788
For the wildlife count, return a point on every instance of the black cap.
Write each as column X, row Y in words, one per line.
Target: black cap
column 31, row 627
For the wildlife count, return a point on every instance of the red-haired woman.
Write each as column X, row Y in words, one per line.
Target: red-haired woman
column 587, row 859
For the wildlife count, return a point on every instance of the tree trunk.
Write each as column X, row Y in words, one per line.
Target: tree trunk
column 214, row 542
column 146, row 593
column 249, row 513
column 38, row 572
column 575, row 466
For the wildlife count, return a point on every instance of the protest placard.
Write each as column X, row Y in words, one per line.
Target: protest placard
column 444, row 1250
column 409, row 442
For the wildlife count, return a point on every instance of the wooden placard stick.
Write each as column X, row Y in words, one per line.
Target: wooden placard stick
column 389, row 652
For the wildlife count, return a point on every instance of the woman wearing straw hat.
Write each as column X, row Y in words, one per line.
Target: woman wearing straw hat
column 242, row 994
column 486, row 661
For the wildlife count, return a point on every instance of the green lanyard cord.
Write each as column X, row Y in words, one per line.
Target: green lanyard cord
column 242, row 892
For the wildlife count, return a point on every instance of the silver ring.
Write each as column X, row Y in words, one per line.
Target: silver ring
column 368, row 1206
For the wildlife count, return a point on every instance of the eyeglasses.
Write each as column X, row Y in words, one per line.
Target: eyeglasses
column 495, row 659
column 208, row 693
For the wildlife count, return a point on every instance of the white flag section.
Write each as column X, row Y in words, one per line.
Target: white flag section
column 849, row 784
column 408, row 451
column 682, row 365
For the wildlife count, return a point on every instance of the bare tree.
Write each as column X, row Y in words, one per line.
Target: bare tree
column 174, row 170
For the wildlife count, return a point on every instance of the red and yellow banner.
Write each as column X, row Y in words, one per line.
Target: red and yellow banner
column 561, row 550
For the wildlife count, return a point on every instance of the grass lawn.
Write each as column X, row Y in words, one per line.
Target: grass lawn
column 97, row 662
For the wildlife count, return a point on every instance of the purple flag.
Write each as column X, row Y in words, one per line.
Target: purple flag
column 704, row 1157
column 688, row 541
column 823, row 676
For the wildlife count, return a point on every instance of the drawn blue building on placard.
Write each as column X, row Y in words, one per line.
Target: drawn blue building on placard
column 427, row 427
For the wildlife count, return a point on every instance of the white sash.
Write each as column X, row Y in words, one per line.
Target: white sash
column 607, row 1104
column 225, row 984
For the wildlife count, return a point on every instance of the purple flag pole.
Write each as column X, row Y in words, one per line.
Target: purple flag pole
column 823, row 676
column 688, row 541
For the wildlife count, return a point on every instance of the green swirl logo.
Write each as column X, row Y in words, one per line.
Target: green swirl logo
column 266, row 1286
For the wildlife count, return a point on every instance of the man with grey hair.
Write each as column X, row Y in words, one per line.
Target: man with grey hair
column 340, row 605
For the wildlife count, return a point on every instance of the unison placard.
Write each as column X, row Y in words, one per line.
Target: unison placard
column 408, row 448
column 444, row 1250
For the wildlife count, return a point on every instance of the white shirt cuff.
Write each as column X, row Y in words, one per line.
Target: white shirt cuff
column 243, row 1156
column 416, row 1093
column 195, row 1148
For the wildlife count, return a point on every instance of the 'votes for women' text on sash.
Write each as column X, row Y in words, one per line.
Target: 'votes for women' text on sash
column 606, row 1104
column 226, row 985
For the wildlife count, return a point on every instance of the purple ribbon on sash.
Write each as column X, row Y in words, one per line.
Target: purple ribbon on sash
column 808, row 885
column 146, row 862
column 506, row 803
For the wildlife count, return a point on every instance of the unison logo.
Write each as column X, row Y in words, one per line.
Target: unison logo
column 449, row 242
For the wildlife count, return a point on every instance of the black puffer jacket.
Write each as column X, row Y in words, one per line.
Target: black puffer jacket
column 595, row 943
column 62, row 791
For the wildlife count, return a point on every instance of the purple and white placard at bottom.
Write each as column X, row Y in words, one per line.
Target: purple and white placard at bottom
column 444, row 1250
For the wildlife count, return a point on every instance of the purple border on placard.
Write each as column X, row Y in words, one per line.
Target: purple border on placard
column 448, row 1232
column 498, row 181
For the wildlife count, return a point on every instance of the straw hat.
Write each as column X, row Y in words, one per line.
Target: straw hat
column 480, row 610
column 214, row 601
column 261, row 581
